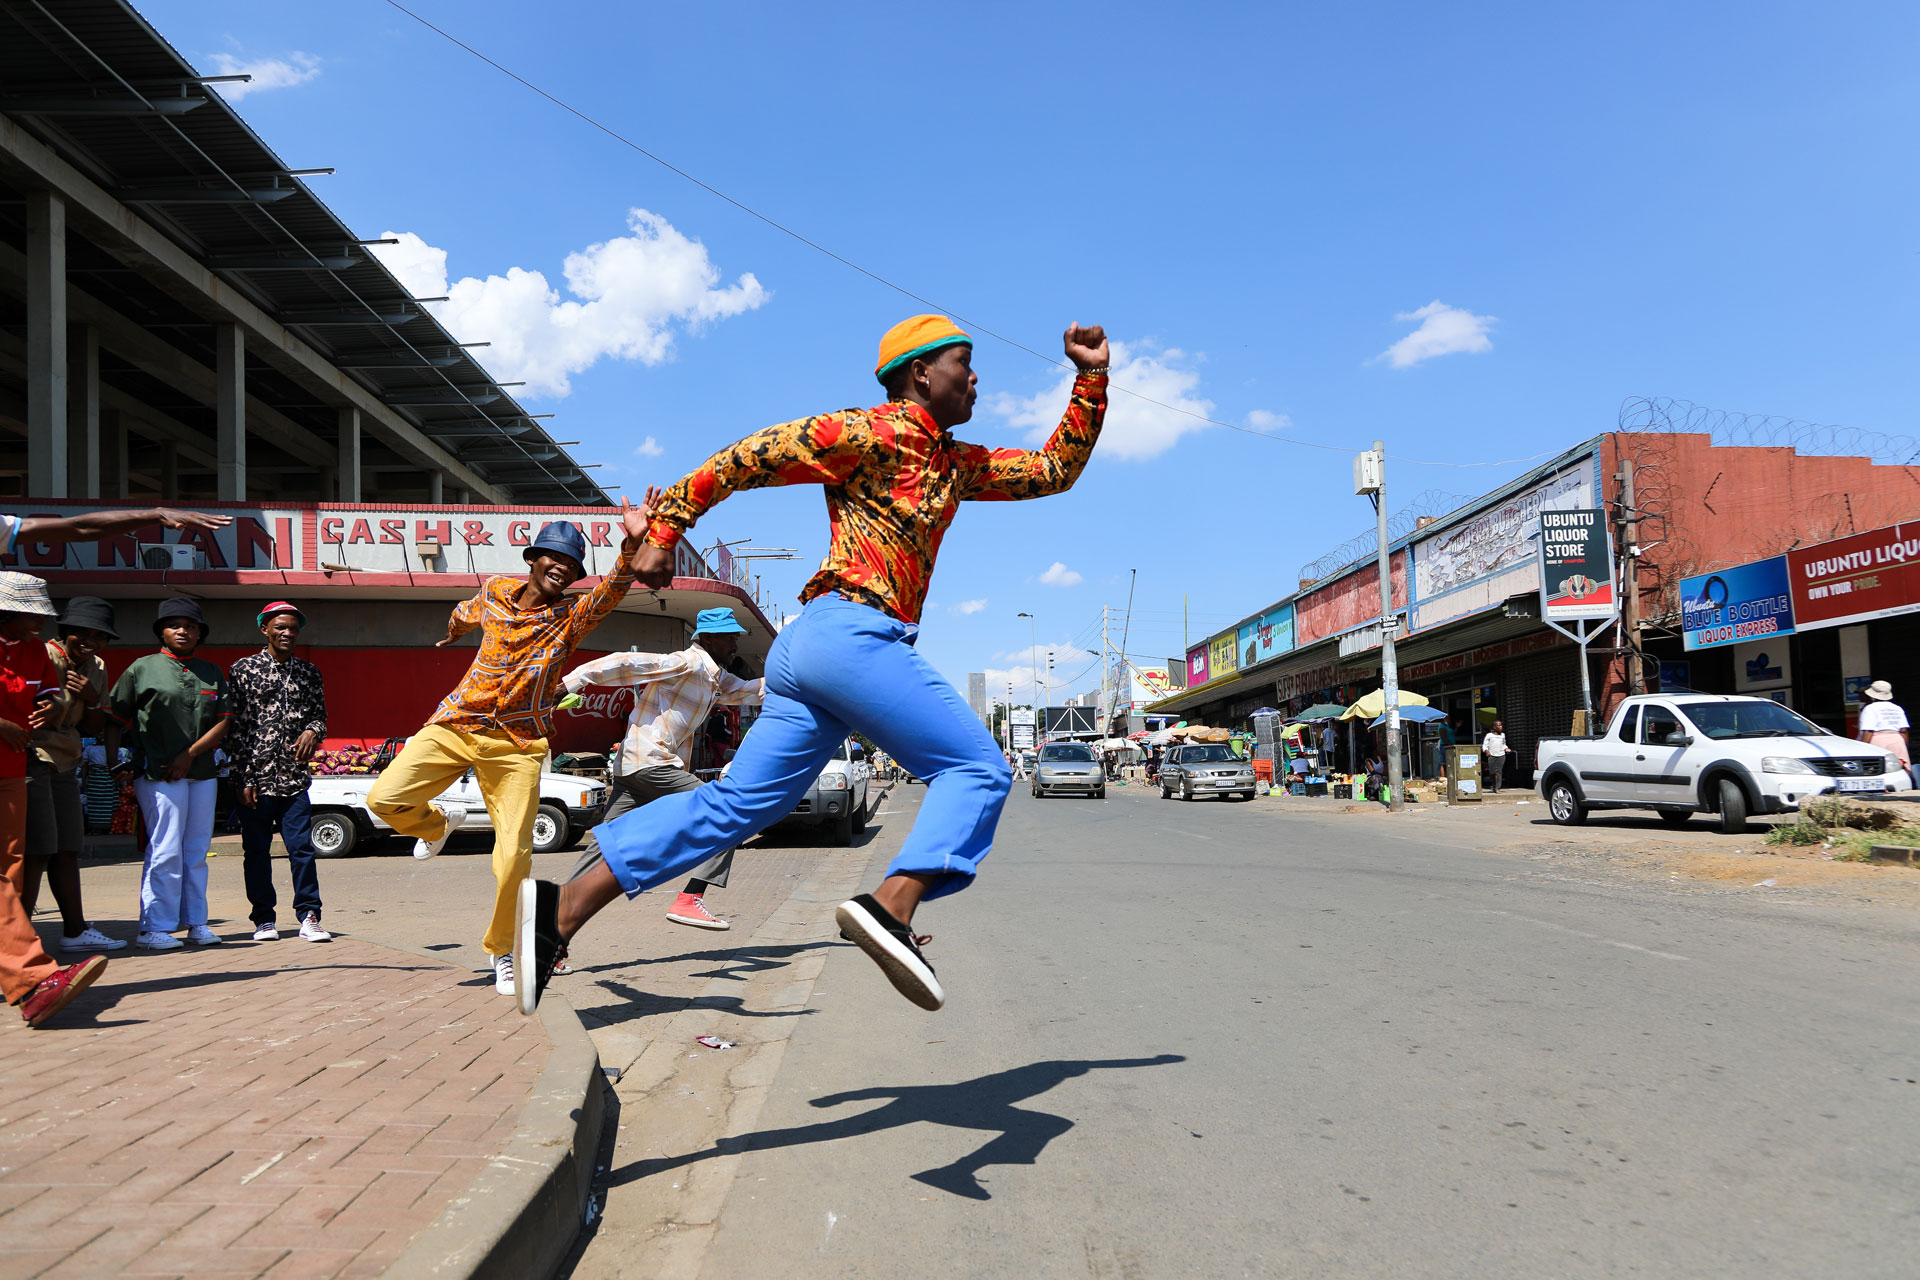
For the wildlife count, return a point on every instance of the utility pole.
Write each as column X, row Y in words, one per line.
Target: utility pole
column 1106, row 675
column 1630, row 578
column 1370, row 478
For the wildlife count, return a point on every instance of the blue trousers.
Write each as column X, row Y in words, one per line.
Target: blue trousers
column 292, row 814
column 838, row 667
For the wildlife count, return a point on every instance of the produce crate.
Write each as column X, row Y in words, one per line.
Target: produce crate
column 1343, row 791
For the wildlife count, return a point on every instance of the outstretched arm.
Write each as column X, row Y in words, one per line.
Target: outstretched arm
column 822, row 450
column 104, row 524
column 1009, row 475
column 625, row 670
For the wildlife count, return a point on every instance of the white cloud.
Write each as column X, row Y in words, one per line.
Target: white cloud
column 968, row 606
column 1443, row 331
column 267, row 73
column 1261, row 420
column 630, row 295
column 1135, row 427
column 649, row 448
column 1060, row 576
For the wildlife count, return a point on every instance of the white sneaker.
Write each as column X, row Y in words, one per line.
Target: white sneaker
column 266, row 931
column 201, row 936
column 310, row 930
column 503, row 974
column 90, row 939
column 456, row 815
column 156, row 941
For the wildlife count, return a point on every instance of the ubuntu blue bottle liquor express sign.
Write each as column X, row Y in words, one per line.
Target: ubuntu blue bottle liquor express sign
column 1743, row 603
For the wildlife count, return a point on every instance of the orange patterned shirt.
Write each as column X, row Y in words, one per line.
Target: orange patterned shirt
column 514, row 680
column 893, row 479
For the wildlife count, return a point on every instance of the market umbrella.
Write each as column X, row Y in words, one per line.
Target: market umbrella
column 1375, row 703
column 1414, row 715
column 1321, row 711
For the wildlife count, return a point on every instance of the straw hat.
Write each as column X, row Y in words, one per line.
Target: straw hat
column 24, row 593
column 1879, row 690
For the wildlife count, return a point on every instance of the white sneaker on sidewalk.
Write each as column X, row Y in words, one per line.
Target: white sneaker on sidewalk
column 90, row 939
column 201, row 936
column 266, row 931
column 310, row 930
column 503, row 974
column 456, row 816
column 154, row 940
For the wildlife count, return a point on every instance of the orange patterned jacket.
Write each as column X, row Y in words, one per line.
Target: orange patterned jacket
column 893, row 482
column 515, row 677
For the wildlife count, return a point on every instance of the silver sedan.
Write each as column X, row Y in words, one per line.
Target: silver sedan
column 1068, row 767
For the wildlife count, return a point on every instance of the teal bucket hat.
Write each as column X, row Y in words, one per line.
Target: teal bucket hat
column 717, row 622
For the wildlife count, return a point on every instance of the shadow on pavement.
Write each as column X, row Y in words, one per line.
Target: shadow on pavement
column 636, row 1004
column 735, row 962
column 984, row 1103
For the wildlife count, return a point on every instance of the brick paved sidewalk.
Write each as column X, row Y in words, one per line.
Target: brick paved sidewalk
column 282, row 1109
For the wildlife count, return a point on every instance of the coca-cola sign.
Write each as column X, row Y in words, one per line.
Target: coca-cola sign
column 599, row 703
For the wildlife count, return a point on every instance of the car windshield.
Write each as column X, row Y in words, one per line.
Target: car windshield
column 1063, row 751
column 1757, row 719
column 1215, row 754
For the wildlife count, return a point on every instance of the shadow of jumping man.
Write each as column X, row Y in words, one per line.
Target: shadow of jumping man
column 984, row 1103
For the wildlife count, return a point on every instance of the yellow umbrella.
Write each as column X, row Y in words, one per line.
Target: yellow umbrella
column 1375, row 704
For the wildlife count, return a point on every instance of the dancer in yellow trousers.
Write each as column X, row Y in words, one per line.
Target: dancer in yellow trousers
column 497, row 719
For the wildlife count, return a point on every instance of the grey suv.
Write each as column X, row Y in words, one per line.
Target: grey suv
column 1205, row 768
column 1069, row 766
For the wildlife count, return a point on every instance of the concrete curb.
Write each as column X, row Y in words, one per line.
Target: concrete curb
column 522, row 1214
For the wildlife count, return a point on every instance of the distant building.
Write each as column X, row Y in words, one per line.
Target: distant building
column 977, row 693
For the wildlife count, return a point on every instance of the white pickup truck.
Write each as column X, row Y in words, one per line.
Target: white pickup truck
column 1682, row 754
column 341, row 820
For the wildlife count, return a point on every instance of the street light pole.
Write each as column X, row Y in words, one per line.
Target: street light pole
column 1033, row 653
column 1370, row 478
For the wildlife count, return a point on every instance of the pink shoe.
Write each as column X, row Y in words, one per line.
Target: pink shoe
column 689, row 909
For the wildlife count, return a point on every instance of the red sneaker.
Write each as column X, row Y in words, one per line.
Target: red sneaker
column 689, row 909
column 51, row 996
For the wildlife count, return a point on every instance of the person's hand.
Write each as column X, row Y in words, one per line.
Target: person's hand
column 653, row 567
column 441, row 644
column 1087, row 346
column 636, row 519
column 13, row 735
column 305, row 745
column 181, row 763
column 249, row 795
column 42, row 712
column 190, row 519
column 79, row 686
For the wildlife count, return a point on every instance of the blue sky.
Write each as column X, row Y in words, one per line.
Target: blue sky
column 1264, row 203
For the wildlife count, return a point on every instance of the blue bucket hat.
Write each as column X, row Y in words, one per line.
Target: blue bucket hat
column 560, row 539
column 717, row 622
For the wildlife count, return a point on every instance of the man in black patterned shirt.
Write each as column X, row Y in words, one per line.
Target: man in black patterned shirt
column 279, row 718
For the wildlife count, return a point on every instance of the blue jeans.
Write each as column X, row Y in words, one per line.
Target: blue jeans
column 292, row 815
column 838, row 667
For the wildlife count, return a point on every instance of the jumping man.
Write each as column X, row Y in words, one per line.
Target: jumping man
column 497, row 720
column 675, row 694
column 894, row 477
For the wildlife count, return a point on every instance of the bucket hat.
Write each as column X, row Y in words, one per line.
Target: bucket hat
column 1879, row 691
column 90, row 612
column 180, row 607
column 717, row 622
column 24, row 593
column 279, row 606
column 561, row 539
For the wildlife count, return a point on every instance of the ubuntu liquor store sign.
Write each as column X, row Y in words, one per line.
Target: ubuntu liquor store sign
column 1854, row 579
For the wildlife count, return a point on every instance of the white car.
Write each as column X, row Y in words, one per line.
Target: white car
column 838, row 797
column 569, row 805
column 1682, row 754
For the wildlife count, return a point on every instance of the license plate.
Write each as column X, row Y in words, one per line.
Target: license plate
column 1860, row 784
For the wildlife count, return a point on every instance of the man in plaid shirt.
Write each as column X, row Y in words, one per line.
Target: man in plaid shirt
column 497, row 719
column 674, row 694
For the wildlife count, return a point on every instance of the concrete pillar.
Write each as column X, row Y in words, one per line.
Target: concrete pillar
column 436, row 487
column 230, row 407
column 113, row 454
column 169, row 471
column 348, row 448
column 46, row 345
column 83, row 412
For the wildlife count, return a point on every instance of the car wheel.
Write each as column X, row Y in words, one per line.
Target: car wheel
column 1101, row 794
column 549, row 829
column 1675, row 817
column 860, row 816
column 843, row 830
column 1186, row 791
column 1733, row 807
column 1563, row 802
column 1164, row 793
column 333, row 834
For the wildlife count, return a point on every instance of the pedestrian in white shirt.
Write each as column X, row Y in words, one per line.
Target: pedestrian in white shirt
column 673, row 695
column 1884, row 724
column 1494, row 748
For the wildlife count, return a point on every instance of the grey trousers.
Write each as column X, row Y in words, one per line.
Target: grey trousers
column 643, row 786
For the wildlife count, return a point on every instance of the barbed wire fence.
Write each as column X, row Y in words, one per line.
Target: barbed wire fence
column 1730, row 427
column 1431, row 504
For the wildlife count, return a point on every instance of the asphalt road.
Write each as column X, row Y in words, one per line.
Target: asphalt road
column 1207, row 1040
